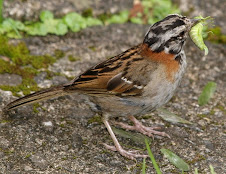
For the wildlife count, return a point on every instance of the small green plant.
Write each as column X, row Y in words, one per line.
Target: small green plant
column 144, row 166
column 154, row 10
column 217, row 36
column 211, row 170
column 152, row 158
column 47, row 25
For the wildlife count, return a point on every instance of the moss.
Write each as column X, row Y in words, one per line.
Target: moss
column 145, row 117
column 69, row 122
column 64, row 158
column 138, row 166
column 51, row 74
column 59, row 54
column 58, row 168
column 18, row 60
column 104, row 17
column 221, row 108
column 212, row 112
column 39, row 62
column 7, row 151
column 197, row 158
column 62, row 125
column 5, row 121
column 202, row 115
column 93, row 48
column 217, row 36
column 87, row 12
column 28, row 155
column 95, row 119
column 73, row 59
column 35, row 106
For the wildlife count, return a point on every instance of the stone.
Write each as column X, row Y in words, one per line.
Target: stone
column 10, row 79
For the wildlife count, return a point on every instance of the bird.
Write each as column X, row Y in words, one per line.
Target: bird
column 132, row 83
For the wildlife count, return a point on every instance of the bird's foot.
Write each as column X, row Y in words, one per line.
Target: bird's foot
column 138, row 126
column 131, row 154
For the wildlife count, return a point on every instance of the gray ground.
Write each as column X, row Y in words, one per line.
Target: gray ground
column 72, row 144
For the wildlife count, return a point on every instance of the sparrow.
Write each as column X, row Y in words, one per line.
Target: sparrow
column 133, row 83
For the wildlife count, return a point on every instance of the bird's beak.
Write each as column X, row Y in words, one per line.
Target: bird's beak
column 194, row 22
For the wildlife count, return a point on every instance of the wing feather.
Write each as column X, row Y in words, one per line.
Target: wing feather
column 115, row 75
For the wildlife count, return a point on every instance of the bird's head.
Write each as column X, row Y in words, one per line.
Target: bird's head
column 169, row 34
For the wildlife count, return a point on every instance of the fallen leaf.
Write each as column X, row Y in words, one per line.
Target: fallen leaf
column 171, row 117
column 207, row 93
column 175, row 160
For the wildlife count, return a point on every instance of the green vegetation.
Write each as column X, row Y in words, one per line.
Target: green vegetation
column 144, row 166
column 217, row 36
column 211, row 170
column 16, row 59
column 95, row 119
column 207, row 93
column 153, row 10
column 73, row 59
column 175, row 160
column 152, row 158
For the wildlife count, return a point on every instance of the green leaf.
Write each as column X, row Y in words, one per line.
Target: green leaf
column 207, row 93
column 152, row 158
column 92, row 21
column 46, row 15
column 171, row 117
column 11, row 26
column 136, row 20
column 75, row 21
column 175, row 160
column 13, row 34
column 121, row 18
column 7, row 24
column 37, row 29
column 61, row 28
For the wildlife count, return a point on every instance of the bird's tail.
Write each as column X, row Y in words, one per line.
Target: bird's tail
column 37, row 96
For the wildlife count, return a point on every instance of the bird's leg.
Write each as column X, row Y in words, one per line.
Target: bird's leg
column 128, row 154
column 138, row 126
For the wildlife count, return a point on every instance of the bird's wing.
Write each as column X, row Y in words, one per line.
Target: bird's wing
column 125, row 74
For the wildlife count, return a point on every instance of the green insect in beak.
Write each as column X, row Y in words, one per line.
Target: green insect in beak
column 196, row 34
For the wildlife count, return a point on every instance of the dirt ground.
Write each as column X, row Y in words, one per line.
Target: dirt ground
column 62, row 138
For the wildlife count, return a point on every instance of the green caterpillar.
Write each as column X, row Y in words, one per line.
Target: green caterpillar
column 196, row 34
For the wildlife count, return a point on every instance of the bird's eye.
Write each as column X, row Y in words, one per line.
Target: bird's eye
column 182, row 34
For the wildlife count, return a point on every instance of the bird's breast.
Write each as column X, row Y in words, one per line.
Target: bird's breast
column 163, row 83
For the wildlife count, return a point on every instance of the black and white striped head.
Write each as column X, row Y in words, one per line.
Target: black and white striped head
column 169, row 34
